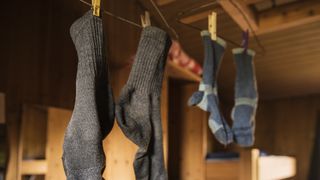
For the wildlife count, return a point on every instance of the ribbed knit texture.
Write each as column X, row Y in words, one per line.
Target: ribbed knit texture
column 246, row 98
column 207, row 97
column 93, row 115
column 150, row 60
column 138, row 110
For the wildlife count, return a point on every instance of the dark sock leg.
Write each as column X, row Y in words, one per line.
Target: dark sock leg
column 93, row 114
column 138, row 111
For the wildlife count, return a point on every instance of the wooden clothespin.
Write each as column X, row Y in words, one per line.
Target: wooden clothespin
column 96, row 7
column 213, row 25
column 145, row 19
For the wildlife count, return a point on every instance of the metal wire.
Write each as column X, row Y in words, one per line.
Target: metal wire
column 184, row 13
column 189, row 11
column 136, row 24
column 251, row 29
column 199, row 29
column 115, row 16
column 164, row 19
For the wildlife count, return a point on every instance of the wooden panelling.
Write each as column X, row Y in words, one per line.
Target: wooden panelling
column 186, row 152
column 33, row 132
column 248, row 168
column 195, row 17
column 297, row 14
column 32, row 141
column 164, row 2
column 57, row 123
column 227, row 170
column 286, row 127
column 34, row 167
column 13, row 141
column 2, row 109
column 165, row 118
column 240, row 13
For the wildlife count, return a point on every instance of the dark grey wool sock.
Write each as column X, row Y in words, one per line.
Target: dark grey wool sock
column 207, row 97
column 93, row 114
column 246, row 98
column 138, row 111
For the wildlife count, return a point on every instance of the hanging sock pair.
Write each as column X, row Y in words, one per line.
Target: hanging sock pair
column 138, row 110
column 207, row 99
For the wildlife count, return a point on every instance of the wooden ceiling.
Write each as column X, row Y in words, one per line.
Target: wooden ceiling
column 289, row 32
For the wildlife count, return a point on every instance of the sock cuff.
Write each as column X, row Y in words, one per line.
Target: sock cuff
column 205, row 33
column 147, row 70
column 208, row 89
column 241, row 50
column 220, row 41
column 82, row 24
column 246, row 101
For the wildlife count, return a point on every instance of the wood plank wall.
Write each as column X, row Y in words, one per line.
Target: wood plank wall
column 283, row 127
column 187, row 148
column 287, row 127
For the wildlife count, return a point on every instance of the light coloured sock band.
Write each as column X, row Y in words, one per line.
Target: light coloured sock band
column 219, row 40
column 208, row 89
column 246, row 101
column 214, row 126
column 240, row 50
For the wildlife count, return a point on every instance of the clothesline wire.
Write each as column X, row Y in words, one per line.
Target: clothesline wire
column 250, row 26
column 184, row 13
column 115, row 16
column 199, row 29
column 179, row 21
column 164, row 19
column 134, row 23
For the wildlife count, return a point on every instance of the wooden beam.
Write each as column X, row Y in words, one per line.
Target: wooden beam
column 2, row 109
column 224, row 169
column 252, row 1
column 248, row 167
column 33, row 167
column 289, row 16
column 195, row 17
column 164, row 2
column 240, row 13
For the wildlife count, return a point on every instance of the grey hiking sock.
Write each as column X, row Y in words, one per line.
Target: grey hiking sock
column 246, row 98
column 138, row 111
column 93, row 115
column 207, row 98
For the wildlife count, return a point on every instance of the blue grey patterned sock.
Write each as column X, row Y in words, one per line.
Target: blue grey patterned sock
column 246, row 98
column 206, row 98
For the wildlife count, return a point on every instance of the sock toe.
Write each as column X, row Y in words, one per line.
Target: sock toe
column 245, row 140
column 224, row 137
